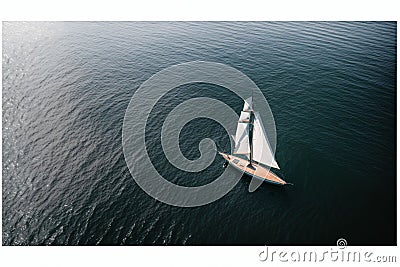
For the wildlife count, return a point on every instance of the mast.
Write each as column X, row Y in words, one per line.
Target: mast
column 251, row 129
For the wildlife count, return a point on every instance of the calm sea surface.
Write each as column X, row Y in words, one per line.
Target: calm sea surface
column 66, row 86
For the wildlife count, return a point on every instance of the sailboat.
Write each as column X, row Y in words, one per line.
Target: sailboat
column 251, row 140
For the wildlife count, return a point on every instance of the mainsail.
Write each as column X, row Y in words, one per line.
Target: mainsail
column 242, row 141
column 248, row 104
column 262, row 151
column 242, row 144
column 259, row 149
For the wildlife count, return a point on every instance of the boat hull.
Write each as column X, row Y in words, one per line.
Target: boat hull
column 256, row 170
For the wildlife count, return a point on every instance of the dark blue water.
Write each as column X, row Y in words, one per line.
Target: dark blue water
column 66, row 86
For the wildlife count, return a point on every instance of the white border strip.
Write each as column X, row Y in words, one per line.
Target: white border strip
column 253, row 10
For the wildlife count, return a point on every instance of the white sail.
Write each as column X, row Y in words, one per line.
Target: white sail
column 244, row 117
column 262, row 151
column 248, row 104
column 242, row 145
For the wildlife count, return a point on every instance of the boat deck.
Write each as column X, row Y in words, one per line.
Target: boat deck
column 256, row 170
